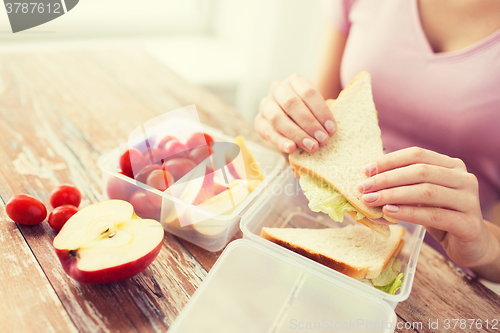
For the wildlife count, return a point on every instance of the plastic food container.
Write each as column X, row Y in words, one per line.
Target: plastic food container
column 258, row 286
column 213, row 231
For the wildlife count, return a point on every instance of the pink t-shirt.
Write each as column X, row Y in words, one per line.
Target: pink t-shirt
column 446, row 102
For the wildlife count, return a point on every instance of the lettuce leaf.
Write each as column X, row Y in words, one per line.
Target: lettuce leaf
column 390, row 279
column 324, row 198
column 394, row 286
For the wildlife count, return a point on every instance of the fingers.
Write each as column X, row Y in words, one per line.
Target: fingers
column 295, row 108
column 410, row 156
column 423, row 194
column 313, row 99
column 282, row 124
column 435, row 220
column 415, row 174
column 269, row 133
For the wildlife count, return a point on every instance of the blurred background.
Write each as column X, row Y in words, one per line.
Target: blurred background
column 235, row 48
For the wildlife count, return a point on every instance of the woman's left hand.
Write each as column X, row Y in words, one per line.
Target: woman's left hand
column 436, row 191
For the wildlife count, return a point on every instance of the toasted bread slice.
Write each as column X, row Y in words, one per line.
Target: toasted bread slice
column 351, row 250
column 356, row 142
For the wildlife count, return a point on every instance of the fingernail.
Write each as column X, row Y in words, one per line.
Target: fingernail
column 365, row 185
column 320, row 136
column 287, row 145
column 371, row 169
column 371, row 197
column 330, row 126
column 308, row 143
column 392, row 208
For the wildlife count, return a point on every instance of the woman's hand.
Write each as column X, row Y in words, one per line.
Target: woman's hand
column 436, row 191
column 294, row 114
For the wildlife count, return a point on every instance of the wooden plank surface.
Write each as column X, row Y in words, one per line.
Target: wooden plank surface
column 58, row 113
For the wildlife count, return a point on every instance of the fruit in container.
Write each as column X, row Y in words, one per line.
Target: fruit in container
column 143, row 207
column 107, row 242
column 245, row 167
column 179, row 167
column 131, row 162
column 119, row 189
column 198, row 139
column 175, row 149
column 160, row 180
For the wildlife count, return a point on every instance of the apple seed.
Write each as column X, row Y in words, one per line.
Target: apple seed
column 112, row 234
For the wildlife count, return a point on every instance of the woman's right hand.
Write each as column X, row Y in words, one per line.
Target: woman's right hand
column 294, row 114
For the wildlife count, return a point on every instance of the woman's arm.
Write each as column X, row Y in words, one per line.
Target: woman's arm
column 327, row 78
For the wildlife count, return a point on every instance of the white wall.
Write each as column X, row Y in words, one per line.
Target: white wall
column 236, row 47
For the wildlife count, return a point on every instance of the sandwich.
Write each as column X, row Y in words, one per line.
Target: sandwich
column 351, row 250
column 329, row 176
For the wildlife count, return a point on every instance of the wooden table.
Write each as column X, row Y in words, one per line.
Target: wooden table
column 58, row 113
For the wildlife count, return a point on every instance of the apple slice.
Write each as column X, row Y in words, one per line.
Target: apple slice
column 244, row 166
column 194, row 188
column 219, row 185
column 106, row 242
column 222, row 204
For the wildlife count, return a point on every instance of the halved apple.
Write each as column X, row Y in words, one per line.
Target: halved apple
column 224, row 203
column 106, row 242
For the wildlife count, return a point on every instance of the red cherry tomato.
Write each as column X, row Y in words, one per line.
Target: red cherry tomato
column 175, row 149
column 24, row 209
column 198, row 139
column 154, row 156
column 130, row 161
column 119, row 189
column 160, row 180
column 143, row 206
column 178, row 167
column 143, row 175
column 164, row 140
column 199, row 154
column 65, row 194
column 61, row 214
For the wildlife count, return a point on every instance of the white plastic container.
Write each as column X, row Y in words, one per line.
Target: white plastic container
column 215, row 231
column 258, row 286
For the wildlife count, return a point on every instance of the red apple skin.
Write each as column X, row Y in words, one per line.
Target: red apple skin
column 107, row 275
column 232, row 171
column 207, row 189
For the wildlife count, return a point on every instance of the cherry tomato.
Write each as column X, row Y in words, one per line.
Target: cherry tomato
column 178, row 167
column 164, row 140
column 160, row 180
column 175, row 149
column 25, row 209
column 154, row 156
column 143, row 175
column 143, row 206
column 61, row 214
column 130, row 161
column 198, row 139
column 199, row 154
column 65, row 194
column 119, row 189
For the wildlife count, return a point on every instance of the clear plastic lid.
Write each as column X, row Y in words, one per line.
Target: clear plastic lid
column 254, row 289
